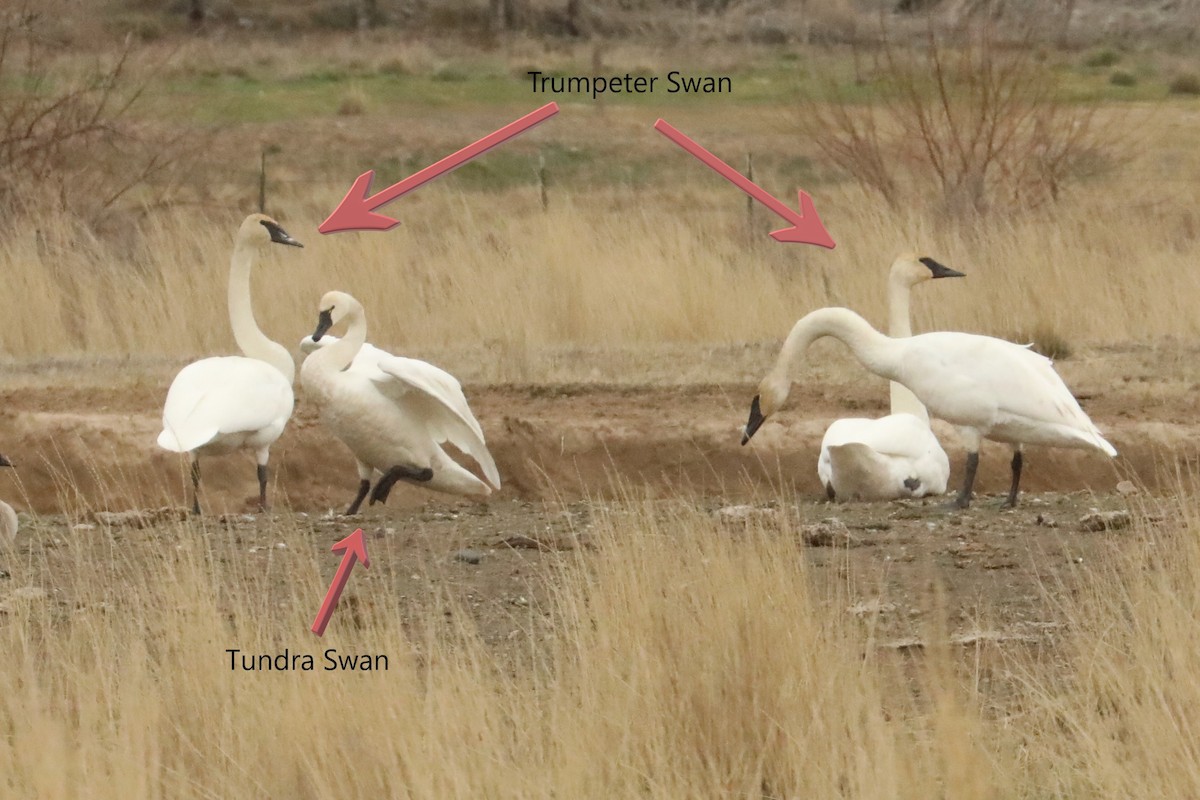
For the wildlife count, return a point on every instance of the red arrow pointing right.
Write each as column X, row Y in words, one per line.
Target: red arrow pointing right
column 806, row 225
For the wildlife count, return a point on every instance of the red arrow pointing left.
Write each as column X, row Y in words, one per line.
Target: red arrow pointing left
column 806, row 226
column 354, row 548
column 356, row 212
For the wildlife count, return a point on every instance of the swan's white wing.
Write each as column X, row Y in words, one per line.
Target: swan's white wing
column 1000, row 384
column 228, row 394
column 436, row 397
column 839, row 432
column 902, row 446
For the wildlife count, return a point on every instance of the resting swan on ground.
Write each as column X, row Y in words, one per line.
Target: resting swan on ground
column 897, row 455
column 226, row 403
column 8, row 517
column 990, row 388
column 393, row 413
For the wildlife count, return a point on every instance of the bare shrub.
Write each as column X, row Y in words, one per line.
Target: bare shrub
column 978, row 122
column 66, row 137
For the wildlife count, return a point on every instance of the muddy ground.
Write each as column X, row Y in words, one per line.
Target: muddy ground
column 82, row 444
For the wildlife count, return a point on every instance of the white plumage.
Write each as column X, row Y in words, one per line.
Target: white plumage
column 8, row 517
column 226, row 403
column 990, row 388
column 896, row 455
column 393, row 413
column 221, row 404
column 882, row 459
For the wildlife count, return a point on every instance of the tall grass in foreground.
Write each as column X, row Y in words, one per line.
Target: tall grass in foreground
column 680, row 661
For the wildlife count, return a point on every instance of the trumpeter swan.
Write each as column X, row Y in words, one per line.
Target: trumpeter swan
column 990, row 388
column 226, row 403
column 8, row 517
column 897, row 455
column 393, row 413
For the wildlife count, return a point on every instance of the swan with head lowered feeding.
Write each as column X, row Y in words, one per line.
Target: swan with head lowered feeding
column 989, row 388
column 8, row 517
column 227, row 403
column 393, row 413
column 897, row 455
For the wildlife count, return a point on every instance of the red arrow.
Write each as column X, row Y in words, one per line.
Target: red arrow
column 356, row 211
column 355, row 548
column 806, row 225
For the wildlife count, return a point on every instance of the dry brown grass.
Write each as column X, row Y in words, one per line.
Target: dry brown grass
column 495, row 274
column 675, row 661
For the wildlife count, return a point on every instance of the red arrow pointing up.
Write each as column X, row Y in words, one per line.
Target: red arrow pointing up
column 354, row 548
column 356, row 212
column 806, row 225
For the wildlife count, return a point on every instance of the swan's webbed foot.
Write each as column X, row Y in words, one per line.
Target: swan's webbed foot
column 957, row 504
column 364, row 486
column 384, row 487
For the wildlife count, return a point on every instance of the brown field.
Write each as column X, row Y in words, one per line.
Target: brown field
column 646, row 609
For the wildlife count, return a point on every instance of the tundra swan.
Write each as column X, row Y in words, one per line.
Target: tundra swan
column 8, row 517
column 990, row 388
column 897, row 455
column 226, row 403
column 393, row 413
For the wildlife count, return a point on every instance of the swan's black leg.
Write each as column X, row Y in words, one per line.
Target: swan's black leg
column 1017, row 461
column 829, row 492
column 363, row 487
column 262, row 486
column 964, row 497
column 384, row 486
column 195, row 485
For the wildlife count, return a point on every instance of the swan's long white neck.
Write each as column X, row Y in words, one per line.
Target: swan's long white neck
column 878, row 353
column 900, row 326
column 252, row 341
column 337, row 356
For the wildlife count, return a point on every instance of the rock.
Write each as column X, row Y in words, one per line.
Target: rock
column 872, row 606
column 545, row 541
column 139, row 518
column 1046, row 521
column 830, row 532
column 1105, row 521
column 990, row 637
column 743, row 515
column 1126, row 488
column 468, row 556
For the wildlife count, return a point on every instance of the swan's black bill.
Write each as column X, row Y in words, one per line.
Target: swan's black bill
column 279, row 235
column 324, row 323
column 755, row 422
column 4, row 462
column 941, row 270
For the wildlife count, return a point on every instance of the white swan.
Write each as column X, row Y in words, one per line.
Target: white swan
column 8, row 517
column 897, row 455
column 393, row 413
column 226, row 403
column 990, row 388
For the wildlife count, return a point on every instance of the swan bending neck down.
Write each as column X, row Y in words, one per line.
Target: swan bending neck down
column 8, row 517
column 393, row 413
column 221, row 404
column 896, row 455
column 990, row 388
